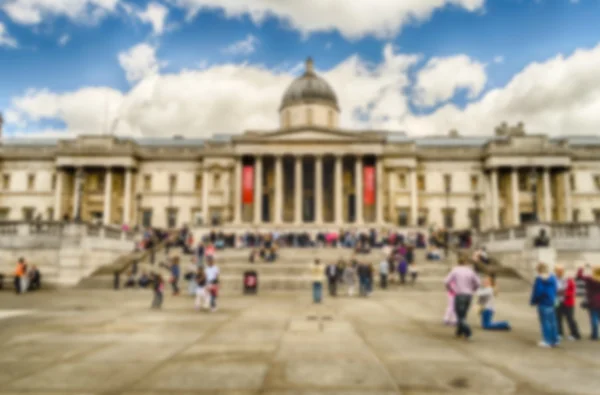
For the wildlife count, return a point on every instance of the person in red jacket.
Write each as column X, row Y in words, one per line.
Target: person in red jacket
column 592, row 287
column 565, row 306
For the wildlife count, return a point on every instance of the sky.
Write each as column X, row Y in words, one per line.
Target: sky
column 202, row 67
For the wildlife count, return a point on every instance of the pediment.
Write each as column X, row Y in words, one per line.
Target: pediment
column 309, row 134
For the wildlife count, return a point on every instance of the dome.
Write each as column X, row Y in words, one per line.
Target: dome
column 309, row 87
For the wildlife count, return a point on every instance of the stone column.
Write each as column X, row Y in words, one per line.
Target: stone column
column 258, row 183
column 547, row 196
column 278, row 215
column 358, row 173
column 318, row 189
column 414, row 204
column 107, row 197
column 205, row 215
column 127, row 202
column 298, row 190
column 514, row 184
column 338, row 180
column 494, row 194
column 77, row 198
column 58, row 195
column 391, row 202
column 379, row 191
column 568, row 204
column 237, row 192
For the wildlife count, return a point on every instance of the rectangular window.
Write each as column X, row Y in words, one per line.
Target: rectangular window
column 4, row 213
column 447, row 182
column 421, row 186
column 6, row 182
column 147, row 218
column 50, row 213
column 475, row 218
column 217, row 181
column 198, row 182
column 597, row 182
column 403, row 217
column 172, row 182
column 402, row 181
column 597, row 216
column 171, row 217
column 53, row 182
column 147, row 182
column 448, row 215
column 28, row 213
column 474, row 183
column 423, row 217
column 30, row 182
column 572, row 182
column 576, row 215
column 523, row 182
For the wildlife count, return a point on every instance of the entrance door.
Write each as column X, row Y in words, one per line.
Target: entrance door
column 351, row 208
column 266, row 208
column 527, row 218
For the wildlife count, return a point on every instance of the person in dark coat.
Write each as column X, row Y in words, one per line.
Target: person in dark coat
column 331, row 272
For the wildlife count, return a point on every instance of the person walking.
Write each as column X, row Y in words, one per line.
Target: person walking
column 543, row 295
column 331, row 271
column 175, row 273
column 565, row 308
column 212, row 282
column 317, row 275
column 463, row 281
column 19, row 272
column 402, row 269
column 350, row 277
column 592, row 287
column 158, row 288
column 201, row 296
column 384, row 271
column 486, row 298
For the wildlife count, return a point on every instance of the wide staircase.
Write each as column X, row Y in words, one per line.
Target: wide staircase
column 291, row 271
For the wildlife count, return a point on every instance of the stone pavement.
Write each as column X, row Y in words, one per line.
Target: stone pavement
column 109, row 342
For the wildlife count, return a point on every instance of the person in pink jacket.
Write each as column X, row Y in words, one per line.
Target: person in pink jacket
column 450, row 315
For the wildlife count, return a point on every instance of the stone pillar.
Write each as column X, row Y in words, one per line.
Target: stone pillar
column 278, row 215
column 391, row 195
column 379, row 191
column 514, row 184
column 318, row 189
column 338, row 180
column 127, row 202
column 494, row 194
column 358, row 173
column 547, row 196
column 58, row 195
column 298, row 190
column 568, row 204
column 237, row 192
column 258, row 190
column 107, row 197
column 414, row 204
column 205, row 215
column 77, row 198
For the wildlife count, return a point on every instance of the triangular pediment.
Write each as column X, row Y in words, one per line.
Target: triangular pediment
column 309, row 134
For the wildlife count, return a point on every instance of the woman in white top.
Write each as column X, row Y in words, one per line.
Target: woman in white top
column 486, row 297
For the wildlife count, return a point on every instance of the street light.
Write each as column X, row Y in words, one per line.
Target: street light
column 533, row 177
column 138, row 200
column 447, row 218
column 477, row 199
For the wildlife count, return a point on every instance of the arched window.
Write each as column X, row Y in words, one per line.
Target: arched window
column 309, row 116
column 330, row 119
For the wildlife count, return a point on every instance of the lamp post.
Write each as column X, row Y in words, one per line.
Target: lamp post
column 533, row 176
column 446, row 220
column 477, row 199
column 79, row 178
column 138, row 201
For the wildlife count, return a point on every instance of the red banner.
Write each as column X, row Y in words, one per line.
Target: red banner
column 248, row 184
column 369, row 185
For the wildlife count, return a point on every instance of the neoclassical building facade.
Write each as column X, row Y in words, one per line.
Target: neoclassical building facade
column 308, row 173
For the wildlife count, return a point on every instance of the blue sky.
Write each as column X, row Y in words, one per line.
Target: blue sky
column 467, row 62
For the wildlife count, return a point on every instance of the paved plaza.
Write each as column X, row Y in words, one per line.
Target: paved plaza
column 109, row 342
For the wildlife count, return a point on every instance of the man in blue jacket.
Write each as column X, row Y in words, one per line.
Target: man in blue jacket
column 543, row 296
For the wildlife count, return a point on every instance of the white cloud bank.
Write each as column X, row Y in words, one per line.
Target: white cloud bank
column 140, row 62
column 32, row 12
column 246, row 46
column 560, row 96
column 441, row 78
column 156, row 15
column 353, row 19
column 6, row 40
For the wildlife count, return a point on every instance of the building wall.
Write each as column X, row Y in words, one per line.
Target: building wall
column 309, row 115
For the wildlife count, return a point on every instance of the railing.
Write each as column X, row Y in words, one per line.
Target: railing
column 56, row 228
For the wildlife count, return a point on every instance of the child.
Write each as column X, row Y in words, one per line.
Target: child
column 450, row 315
column 201, row 297
column 158, row 288
column 414, row 273
column 486, row 296
column 543, row 296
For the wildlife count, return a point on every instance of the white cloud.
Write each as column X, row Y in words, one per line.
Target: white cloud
column 64, row 40
column 156, row 15
column 140, row 62
column 560, row 96
column 499, row 59
column 5, row 39
column 32, row 12
column 441, row 78
column 354, row 19
column 243, row 47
